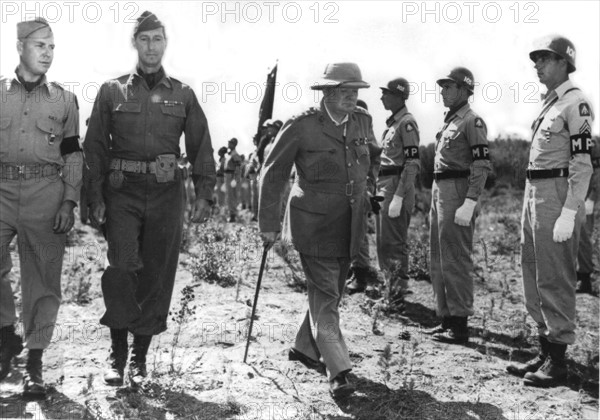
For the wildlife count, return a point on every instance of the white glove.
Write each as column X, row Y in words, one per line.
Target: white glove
column 395, row 207
column 563, row 228
column 464, row 213
column 233, row 183
column 589, row 207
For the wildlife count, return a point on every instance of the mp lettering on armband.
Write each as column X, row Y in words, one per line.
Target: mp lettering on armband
column 480, row 151
column 582, row 142
column 411, row 152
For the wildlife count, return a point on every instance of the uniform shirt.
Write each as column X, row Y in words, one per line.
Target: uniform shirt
column 462, row 145
column 233, row 161
column 562, row 139
column 594, row 190
column 401, row 147
column 33, row 126
column 131, row 122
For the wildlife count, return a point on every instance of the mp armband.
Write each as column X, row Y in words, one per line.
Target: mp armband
column 581, row 143
column 479, row 152
column 70, row 145
column 411, row 152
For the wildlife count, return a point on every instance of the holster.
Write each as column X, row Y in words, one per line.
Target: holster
column 165, row 168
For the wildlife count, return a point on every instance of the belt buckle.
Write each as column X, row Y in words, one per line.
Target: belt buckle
column 349, row 189
column 20, row 170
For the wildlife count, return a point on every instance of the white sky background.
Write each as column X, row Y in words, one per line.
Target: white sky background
column 225, row 57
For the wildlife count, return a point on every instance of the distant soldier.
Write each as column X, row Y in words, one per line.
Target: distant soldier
column 220, row 186
column 41, row 172
column 461, row 167
column 558, row 178
column 326, row 213
column 233, row 164
column 585, row 258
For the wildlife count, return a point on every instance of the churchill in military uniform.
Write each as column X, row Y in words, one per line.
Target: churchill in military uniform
column 41, row 171
column 558, row 177
column 461, row 167
column 326, row 211
column 136, row 186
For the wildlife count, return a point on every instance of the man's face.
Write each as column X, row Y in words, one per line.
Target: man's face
column 150, row 46
column 341, row 100
column 391, row 101
column 36, row 54
column 548, row 67
column 452, row 94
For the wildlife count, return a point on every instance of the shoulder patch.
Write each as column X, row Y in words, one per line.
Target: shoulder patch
column 584, row 110
column 409, row 127
column 478, row 122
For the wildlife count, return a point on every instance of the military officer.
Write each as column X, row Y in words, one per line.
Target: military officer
column 233, row 164
column 326, row 212
column 41, row 172
column 136, row 186
column 558, row 177
column 461, row 167
column 585, row 263
column 400, row 165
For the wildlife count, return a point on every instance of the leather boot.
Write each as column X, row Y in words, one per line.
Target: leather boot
column 11, row 345
column 137, row 363
column 358, row 281
column 444, row 326
column 584, row 283
column 117, row 359
column 340, row 386
column 554, row 370
column 33, row 384
column 458, row 332
column 521, row 370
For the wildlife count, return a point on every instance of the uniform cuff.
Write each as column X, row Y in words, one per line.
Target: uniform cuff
column 71, row 193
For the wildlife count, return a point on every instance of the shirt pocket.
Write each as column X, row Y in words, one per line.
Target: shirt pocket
column 126, row 119
column 172, row 118
column 48, row 139
column 362, row 154
column 549, row 134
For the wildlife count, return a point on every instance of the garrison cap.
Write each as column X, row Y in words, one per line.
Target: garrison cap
column 461, row 76
column 30, row 27
column 398, row 86
column 341, row 75
column 147, row 22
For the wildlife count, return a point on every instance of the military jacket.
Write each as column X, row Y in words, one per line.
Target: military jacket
column 328, row 204
column 462, row 145
column 400, row 144
column 561, row 138
column 33, row 126
column 130, row 121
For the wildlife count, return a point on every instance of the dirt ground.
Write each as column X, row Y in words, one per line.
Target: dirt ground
column 196, row 369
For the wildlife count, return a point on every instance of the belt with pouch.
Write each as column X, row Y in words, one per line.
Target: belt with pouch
column 15, row 171
column 547, row 173
column 438, row 176
column 390, row 170
column 348, row 189
column 135, row 166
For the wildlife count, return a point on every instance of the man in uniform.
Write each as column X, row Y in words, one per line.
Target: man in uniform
column 585, row 258
column 220, row 186
column 41, row 171
column 131, row 147
column 233, row 164
column 558, row 178
column 326, row 213
column 461, row 167
column 400, row 165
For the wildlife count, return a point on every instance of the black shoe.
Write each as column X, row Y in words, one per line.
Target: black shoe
column 584, row 283
column 295, row 355
column 11, row 345
column 137, row 364
column 33, row 384
column 533, row 365
column 457, row 334
column 117, row 360
column 340, row 387
column 554, row 370
column 354, row 286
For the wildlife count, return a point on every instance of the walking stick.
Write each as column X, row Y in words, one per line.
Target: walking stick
column 260, row 274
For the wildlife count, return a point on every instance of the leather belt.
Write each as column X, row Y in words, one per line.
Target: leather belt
column 390, row 170
column 347, row 189
column 438, row 176
column 547, row 173
column 15, row 171
column 135, row 166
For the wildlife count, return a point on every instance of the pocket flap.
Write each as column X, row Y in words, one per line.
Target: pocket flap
column 48, row 126
column 128, row 107
column 175, row 110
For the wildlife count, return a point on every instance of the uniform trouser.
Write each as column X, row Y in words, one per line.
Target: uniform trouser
column 144, row 221
column 254, row 193
column 549, row 276
column 27, row 210
column 451, row 249
column 585, row 256
column 220, row 186
column 319, row 336
column 232, row 192
column 362, row 259
column 245, row 192
column 392, row 233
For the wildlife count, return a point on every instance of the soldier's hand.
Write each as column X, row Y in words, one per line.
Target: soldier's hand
column 269, row 239
column 201, row 211
column 64, row 219
column 589, row 206
column 564, row 225
column 395, row 207
column 375, row 206
column 464, row 213
column 97, row 214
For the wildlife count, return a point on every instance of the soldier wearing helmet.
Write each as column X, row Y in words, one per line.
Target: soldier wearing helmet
column 461, row 167
column 558, row 177
column 233, row 165
column 326, row 212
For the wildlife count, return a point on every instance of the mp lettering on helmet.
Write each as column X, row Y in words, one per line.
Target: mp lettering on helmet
column 571, row 52
column 584, row 110
column 468, row 80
